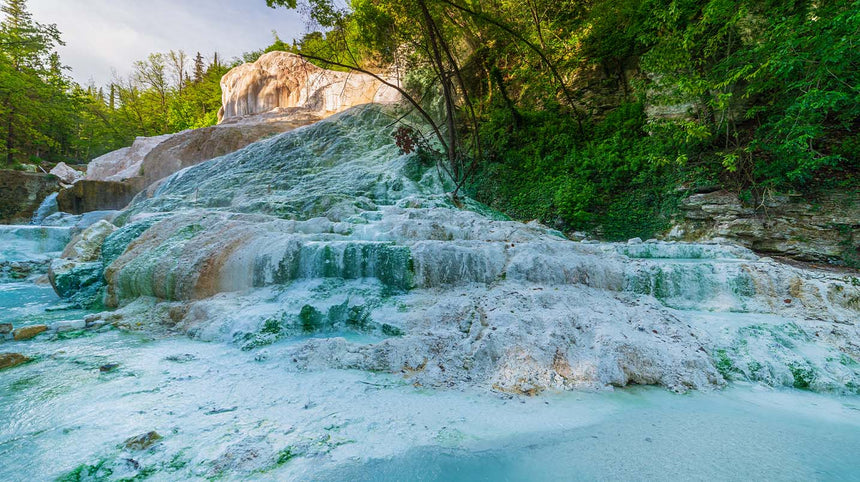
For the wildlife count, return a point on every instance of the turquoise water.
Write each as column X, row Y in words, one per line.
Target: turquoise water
column 736, row 435
column 26, row 303
column 228, row 414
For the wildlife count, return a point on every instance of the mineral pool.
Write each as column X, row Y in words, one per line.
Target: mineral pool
column 223, row 413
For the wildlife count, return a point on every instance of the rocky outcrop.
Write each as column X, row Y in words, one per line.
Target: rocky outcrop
column 282, row 80
column 28, row 332
column 124, row 163
column 331, row 231
column 188, row 148
column 21, row 193
column 77, row 273
column 66, row 174
column 87, row 195
column 826, row 229
column 276, row 94
column 9, row 360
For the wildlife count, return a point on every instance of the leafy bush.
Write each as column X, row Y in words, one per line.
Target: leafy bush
column 617, row 182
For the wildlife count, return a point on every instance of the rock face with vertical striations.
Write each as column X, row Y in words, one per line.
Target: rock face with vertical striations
column 282, row 80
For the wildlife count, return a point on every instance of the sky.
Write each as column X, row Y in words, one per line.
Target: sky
column 106, row 35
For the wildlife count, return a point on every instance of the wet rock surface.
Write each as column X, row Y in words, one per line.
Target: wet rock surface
column 10, row 360
column 88, row 195
column 28, row 332
column 78, row 274
column 22, row 192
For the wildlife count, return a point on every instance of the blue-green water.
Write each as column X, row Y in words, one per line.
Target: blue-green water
column 227, row 414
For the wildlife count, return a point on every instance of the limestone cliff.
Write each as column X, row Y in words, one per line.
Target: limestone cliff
column 282, row 80
column 329, row 234
column 824, row 229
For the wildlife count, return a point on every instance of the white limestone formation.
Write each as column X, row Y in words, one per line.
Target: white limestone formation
column 67, row 174
column 124, row 163
column 282, row 80
column 331, row 231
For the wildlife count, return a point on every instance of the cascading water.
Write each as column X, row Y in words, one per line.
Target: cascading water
column 48, row 207
column 366, row 327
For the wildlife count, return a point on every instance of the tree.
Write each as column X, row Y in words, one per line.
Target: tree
column 178, row 61
column 444, row 38
column 31, row 81
column 152, row 75
column 199, row 67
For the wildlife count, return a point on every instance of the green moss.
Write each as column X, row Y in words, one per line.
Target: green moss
column 84, row 472
column 754, row 367
column 724, row 364
column 178, row 461
column 847, row 360
column 143, row 474
column 358, row 317
column 286, row 455
column 272, row 326
column 390, row 330
column 310, row 318
column 803, row 373
column 743, row 286
column 117, row 242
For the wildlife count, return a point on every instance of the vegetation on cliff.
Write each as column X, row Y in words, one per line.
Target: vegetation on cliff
column 589, row 115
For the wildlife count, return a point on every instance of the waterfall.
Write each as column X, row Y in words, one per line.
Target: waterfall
column 48, row 207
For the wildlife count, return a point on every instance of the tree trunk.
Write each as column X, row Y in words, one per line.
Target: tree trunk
column 10, row 138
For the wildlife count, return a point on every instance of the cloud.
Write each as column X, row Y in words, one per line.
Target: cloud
column 106, row 35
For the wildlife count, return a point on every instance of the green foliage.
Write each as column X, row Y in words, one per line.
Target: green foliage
column 46, row 116
column 616, row 182
column 757, row 95
column 775, row 83
column 33, row 104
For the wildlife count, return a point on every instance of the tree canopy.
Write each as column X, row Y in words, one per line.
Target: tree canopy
column 45, row 116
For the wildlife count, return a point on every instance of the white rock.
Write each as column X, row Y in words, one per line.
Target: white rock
column 66, row 174
column 69, row 325
column 677, row 232
column 285, row 80
column 87, row 246
column 634, row 241
column 124, row 163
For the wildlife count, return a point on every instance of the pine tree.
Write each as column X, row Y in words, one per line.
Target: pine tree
column 31, row 81
column 199, row 68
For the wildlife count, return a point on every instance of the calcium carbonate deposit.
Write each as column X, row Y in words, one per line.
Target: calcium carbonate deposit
column 316, row 307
